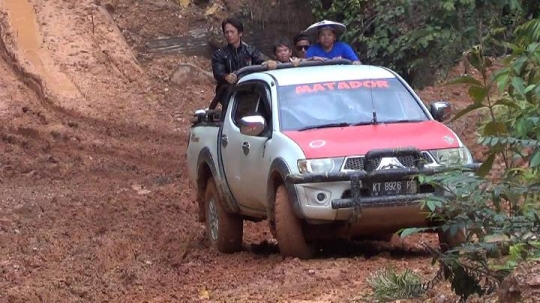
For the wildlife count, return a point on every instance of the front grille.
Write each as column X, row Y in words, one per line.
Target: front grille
column 354, row 163
column 359, row 163
column 427, row 158
column 407, row 161
column 374, row 163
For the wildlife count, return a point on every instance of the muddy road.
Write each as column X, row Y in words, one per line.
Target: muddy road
column 95, row 204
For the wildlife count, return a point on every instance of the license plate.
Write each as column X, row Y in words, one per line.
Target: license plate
column 392, row 188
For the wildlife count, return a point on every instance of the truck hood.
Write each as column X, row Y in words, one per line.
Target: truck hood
column 358, row 140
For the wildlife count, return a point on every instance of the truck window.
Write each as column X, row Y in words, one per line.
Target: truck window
column 248, row 102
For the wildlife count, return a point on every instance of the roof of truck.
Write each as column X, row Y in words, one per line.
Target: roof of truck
column 314, row 72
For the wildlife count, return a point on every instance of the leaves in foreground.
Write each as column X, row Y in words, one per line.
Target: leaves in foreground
column 388, row 285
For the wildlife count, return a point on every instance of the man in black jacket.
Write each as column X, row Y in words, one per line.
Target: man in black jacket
column 227, row 60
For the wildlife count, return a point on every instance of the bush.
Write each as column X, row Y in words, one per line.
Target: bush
column 500, row 214
column 422, row 40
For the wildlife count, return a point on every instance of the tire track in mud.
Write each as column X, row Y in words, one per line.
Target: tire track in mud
column 31, row 81
column 23, row 22
column 109, row 131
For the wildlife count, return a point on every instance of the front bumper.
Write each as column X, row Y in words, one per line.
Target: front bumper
column 350, row 207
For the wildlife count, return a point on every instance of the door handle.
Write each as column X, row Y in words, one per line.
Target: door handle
column 245, row 147
column 224, row 140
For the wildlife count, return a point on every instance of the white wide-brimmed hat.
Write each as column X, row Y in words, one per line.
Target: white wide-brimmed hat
column 313, row 30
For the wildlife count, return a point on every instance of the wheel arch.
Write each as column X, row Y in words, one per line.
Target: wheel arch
column 205, row 170
column 278, row 172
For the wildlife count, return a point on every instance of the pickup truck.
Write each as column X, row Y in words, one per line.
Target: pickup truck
column 321, row 150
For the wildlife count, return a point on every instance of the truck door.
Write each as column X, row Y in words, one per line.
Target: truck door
column 245, row 163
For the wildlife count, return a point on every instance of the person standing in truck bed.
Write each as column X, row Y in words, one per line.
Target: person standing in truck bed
column 301, row 45
column 327, row 46
column 229, row 59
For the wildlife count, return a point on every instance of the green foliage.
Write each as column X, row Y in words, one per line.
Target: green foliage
column 499, row 214
column 422, row 38
column 496, row 215
column 388, row 285
column 512, row 131
column 518, row 253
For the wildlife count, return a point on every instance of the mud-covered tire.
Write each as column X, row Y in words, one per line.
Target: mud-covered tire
column 272, row 228
column 449, row 241
column 224, row 230
column 383, row 237
column 289, row 233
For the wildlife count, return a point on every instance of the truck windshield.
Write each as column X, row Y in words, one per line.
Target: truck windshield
column 353, row 102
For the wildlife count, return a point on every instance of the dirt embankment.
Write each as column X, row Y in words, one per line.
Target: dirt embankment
column 94, row 201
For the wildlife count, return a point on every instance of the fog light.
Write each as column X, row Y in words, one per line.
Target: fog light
column 321, row 197
column 317, row 196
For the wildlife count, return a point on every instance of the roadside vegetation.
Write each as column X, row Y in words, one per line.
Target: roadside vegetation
column 416, row 38
column 498, row 207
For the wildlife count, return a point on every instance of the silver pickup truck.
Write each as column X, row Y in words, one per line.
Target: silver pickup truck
column 321, row 150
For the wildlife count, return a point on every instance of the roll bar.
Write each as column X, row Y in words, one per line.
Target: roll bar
column 261, row 68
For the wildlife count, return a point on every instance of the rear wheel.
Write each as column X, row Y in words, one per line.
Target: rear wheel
column 289, row 234
column 224, row 230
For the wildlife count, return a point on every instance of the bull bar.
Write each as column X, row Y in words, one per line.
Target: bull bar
column 372, row 175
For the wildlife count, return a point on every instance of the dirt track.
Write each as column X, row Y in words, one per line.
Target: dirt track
column 94, row 201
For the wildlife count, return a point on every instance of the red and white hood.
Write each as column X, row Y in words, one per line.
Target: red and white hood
column 358, row 140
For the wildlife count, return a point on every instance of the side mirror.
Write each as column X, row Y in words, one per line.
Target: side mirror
column 440, row 110
column 252, row 125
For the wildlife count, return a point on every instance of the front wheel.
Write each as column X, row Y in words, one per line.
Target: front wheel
column 224, row 230
column 289, row 234
column 449, row 240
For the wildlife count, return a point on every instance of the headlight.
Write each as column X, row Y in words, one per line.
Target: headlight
column 452, row 156
column 319, row 166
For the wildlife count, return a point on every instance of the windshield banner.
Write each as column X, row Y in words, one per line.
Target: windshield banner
column 341, row 85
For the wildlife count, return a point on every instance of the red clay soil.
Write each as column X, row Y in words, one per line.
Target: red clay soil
column 95, row 204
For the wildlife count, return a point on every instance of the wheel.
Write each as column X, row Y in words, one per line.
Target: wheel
column 224, row 230
column 272, row 227
column 289, row 234
column 449, row 241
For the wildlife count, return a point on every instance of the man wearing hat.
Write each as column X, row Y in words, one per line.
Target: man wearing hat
column 327, row 47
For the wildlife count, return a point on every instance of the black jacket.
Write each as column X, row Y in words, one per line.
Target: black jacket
column 228, row 59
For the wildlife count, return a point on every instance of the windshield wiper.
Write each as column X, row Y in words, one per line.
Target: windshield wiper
column 402, row 121
column 328, row 125
column 364, row 123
